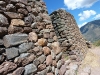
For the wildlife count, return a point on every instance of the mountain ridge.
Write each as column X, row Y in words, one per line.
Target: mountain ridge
column 90, row 30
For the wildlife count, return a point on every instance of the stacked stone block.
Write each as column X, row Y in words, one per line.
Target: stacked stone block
column 28, row 44
column 68, row 33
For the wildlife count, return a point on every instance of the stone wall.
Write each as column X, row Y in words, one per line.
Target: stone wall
column 68, row 33
column 28, row 44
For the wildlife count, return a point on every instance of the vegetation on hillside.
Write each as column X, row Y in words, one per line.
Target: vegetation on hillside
column 97, row 43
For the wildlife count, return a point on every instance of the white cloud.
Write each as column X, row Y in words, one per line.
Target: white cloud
column 97, row 16
column 86, row 14
column 80, row 25
column 76, row 4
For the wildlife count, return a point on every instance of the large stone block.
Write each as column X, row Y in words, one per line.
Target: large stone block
column 14, row 39
column 12, row 52
column 6, row 67
column 29, row 69
column 13, row 15
column 3, row 20
column 25, row 47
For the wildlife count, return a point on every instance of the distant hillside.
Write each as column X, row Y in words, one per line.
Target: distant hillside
column 91, row 30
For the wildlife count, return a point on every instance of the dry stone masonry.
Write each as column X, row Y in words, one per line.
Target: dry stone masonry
column 28, row 44
column 68, row 33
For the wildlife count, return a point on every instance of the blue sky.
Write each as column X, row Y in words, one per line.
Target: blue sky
column 83, row 10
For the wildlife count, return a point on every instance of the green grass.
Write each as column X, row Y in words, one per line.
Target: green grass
column 97, row 43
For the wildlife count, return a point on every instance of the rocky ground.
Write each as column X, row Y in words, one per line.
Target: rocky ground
column 91, row 63
column 89, row 66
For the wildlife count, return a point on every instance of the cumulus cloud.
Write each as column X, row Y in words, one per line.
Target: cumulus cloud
column 76, row 4
column 82, row 24
column 86, row 14
column 97, row 16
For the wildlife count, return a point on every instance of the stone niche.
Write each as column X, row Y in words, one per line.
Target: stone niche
column 28, row 44
column 68, row 33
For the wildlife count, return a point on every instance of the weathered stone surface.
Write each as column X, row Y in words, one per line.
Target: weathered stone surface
column 2, row 58
column 46, row 50
column 24, row 61
column 37, row 49
column 33, row 36
column 34, row 11
column 6, row 67
column 42, row 58
column 36, row 62
column 56, row 47
column 27, row 29
column 17, row 22
column 49, row 68
column 59, row 56
column 28, row 39
column 29, row 19
column 29, row 8
column 12, row 52
column 54, row 63
column 22, row 1
column 20, row 5
column 11, row 8
column 14, row 39
column 2, row 3
column 53, row 69
column 42, row 42
column 29, row 69
column 13, row 29
column 3, row 31
column 25, row 47
column 41, row 67
column 46, row 35
column 1, row 42
column 49, row 60
column 62, row 69
column 44, row 72
column 23, row 11
column 18, row 71
column 56, row 71
column 50, row 74
column 13, row 15
column 2, row 50
column 3, row 20
column 59, row 64
column 53, row 54
column 68, row 33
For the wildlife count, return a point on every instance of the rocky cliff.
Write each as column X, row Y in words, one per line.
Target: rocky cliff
column 68, row 33
column 28, row 44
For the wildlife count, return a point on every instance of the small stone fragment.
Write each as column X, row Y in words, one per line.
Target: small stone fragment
column 33, row 36
column 42, row 42
column 49, row 60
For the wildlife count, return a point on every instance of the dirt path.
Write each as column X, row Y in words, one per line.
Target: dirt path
column 91, row 63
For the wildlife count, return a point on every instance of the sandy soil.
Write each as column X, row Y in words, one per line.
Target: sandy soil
column 91, row 64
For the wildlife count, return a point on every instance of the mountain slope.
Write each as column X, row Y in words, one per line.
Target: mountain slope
column 91, row 31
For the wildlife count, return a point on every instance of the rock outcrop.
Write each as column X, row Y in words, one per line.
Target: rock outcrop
column 68, row 33
column 28, row 43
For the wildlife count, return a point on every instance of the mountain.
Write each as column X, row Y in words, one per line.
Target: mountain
column 91, row 30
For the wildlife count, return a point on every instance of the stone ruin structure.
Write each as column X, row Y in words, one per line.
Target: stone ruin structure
column 28, row 43
column 68, row 33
